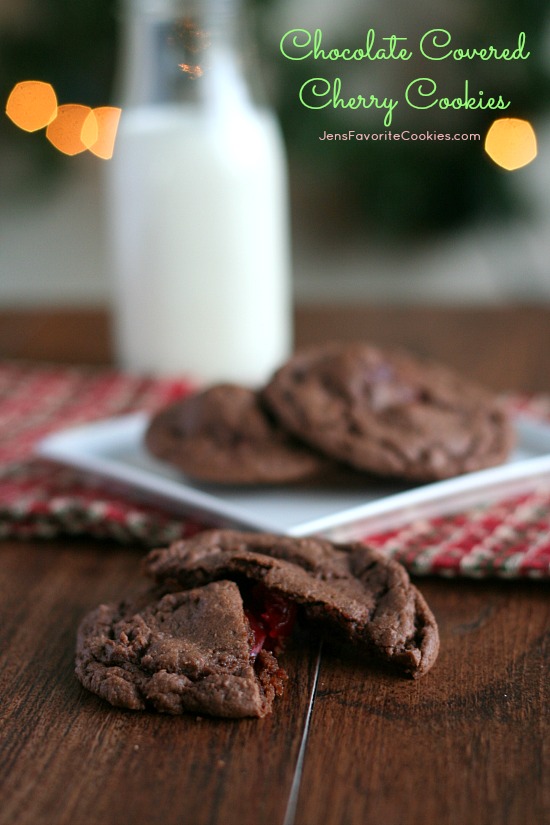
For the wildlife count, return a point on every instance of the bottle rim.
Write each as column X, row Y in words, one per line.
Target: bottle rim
column 167, row 7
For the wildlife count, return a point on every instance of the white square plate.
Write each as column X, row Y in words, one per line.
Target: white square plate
column 113, row 451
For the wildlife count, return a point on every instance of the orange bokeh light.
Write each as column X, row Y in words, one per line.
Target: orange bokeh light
column 89, row 130
column 511, row 143
column 71, row 128
column 32, row 105
column 65, row 132
column 106, row 120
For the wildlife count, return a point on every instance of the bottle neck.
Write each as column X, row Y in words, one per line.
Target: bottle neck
column 186, row 52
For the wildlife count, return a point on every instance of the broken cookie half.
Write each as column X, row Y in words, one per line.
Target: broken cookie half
column 188, row 651
column 229, row 600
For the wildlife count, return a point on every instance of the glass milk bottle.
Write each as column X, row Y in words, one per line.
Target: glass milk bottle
column 197, row 202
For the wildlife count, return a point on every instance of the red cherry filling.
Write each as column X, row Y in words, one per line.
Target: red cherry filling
column 271, row 618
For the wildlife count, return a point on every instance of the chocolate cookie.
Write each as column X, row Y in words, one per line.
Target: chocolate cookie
column 389, row 413
column 187, row 651
column 351, row 591
column 224, row 435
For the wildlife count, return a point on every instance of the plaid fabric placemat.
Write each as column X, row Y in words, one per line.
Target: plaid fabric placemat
column 509, row 539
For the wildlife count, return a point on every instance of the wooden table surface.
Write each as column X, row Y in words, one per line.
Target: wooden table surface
column 348, row 744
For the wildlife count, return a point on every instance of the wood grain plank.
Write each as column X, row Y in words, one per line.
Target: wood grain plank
column 462, row 745
column 67, row 757
column 65, row 334
column 503, row 346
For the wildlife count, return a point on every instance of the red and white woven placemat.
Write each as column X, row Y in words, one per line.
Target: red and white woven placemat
column 510, row 539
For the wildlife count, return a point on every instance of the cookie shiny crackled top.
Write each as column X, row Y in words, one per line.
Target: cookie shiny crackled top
column 388, row 412
column 352, row 592
column 204, row 638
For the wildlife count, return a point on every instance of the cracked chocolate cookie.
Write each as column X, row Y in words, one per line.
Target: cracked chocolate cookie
column 205, row 637
column 190, row 651
column 351, row 592
column 388, row 413
column 224, row 435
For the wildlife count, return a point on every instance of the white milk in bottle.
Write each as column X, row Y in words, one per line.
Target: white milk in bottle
column 197, row 203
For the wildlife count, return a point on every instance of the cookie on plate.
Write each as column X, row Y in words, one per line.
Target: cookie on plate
column 224, row 435
column 352, row 593
column 388, row 412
